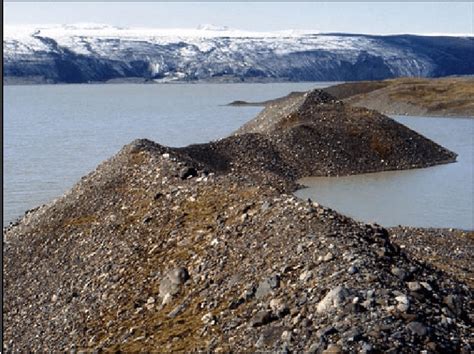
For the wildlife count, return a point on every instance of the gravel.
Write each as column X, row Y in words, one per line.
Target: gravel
column 136, row 258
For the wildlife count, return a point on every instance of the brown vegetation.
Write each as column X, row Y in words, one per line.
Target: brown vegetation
column 411, row 96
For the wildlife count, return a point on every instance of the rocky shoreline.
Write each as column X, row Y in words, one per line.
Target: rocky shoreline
column 445, row 97
column 204, row 248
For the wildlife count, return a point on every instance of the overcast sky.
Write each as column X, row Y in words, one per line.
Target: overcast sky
column 382, row 18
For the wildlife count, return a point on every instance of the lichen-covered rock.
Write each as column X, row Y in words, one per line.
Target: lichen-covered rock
column 171, row 283
column 333, row 299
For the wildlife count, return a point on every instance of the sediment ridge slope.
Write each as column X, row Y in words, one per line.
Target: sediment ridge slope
column 204, row 248
column 319, row 135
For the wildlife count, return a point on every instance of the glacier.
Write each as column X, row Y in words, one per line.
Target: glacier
column 99, row 53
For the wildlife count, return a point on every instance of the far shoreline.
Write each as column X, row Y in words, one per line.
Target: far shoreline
column 32, row 81
column 393, row 108
column 447, row 97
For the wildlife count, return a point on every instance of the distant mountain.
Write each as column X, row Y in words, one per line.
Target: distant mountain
column 90, row 52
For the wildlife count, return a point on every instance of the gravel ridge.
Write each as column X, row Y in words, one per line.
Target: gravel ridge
column 204, row 248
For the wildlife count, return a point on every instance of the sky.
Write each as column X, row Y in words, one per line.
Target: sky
column 353, row 17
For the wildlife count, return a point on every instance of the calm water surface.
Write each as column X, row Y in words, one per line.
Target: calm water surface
column 54, row 134
column 439, row 196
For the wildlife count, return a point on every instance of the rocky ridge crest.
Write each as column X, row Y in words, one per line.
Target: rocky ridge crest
column 205, row 248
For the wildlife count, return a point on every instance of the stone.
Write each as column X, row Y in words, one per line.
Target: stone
column 400, row 273
column 333, row 349
column 208, row 319
column 188, row 172
column 274, row 281
column 353, row 308
column 414, row 286
column 368, row 303
column 402, row 299
column 326, row 331
column 306, row 323
column 263, row 290
column 418, row 328
column 261, row 318
column 176, row 311
column 334, row 299
column 316, row 347
column 266, row 286
column 236, row 303
column 329, row 256
column 171, row 283
column 284, row 349
column 353, row 335
column 403, row 307
column 306, row 275
column 454, row 303
column 352, row 270
column 299, row 249
column 278, row 307
column 178, row 275
column 370, row 293
column 403, row 303
column 366, row 348
column 432, row 346
column 167, row 299
column 260, row 342
column 248, row 293
column 286, row 336
column 426, row 286
column 302, row 299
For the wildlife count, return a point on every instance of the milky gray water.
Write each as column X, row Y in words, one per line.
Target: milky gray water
column 439, row 196
column 54, row 134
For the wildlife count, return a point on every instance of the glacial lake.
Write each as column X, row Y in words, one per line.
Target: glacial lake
column 54, row 134
column 438, row 196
